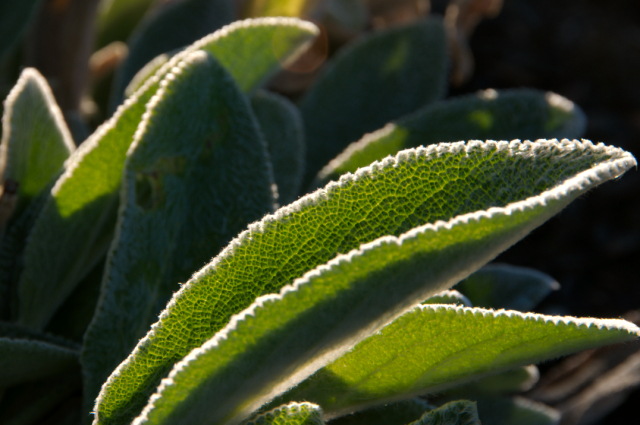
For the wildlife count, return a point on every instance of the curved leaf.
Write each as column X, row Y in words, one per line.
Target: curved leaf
column 371, row 82
column 435, row 347
column 78, row 218
column 460, row 412
column 196, row 174
column 509, row 287
column 404, row 412
column 490, row 114
column 281, row 126
column 35, row 138
column 449, row 297
column 357, row 293
column 168, row 27
column 24, row 360
column 290, row 414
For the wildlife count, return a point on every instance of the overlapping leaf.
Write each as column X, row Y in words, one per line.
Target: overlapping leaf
column 492, row 115
column 197, row 173
column 185, row 21
column 449, row 297
column 79, row 217
column 379, row 79
column 290, row 414
column 486, row 184
column 435, row 347
column 509, row 287
column 404, row 412
column 281, row 126
column 35, row 138
column 461, row 412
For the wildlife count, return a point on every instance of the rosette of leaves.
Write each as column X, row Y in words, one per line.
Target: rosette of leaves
column 156, row 264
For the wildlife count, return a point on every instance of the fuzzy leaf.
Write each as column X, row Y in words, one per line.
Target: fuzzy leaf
column 35, row 138
column 503, row 115
column 78, row 218
column 508, row 382
column 197, row 173
column 460, row 412
column 509, row 287
column 15, row 16
column 497, row 193
column 449, row 297
column 281, row 126
column 24, row 360
column 290, row 414
column 185, row 20
column 145, row 73
column 371, row 82
column 413, row 356
column 404, row 412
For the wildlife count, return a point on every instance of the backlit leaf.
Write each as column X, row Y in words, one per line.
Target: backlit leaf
column 197, row 173
column 290, row 414
column 375, row 80
column 509, row 189
column 78, row 218
column 487, row 115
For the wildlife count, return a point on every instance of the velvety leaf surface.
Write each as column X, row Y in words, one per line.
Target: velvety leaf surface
column 449, row 297
column 14, row 19
column 168, row 27
column 281, row 125
column 508, row 382
column 197, row 173
column 145, row 73
column 290, row 414
column 35, row 138
column 79, row 216
column 23, row 360
column 404, row 412
column 371, row 82
column 354, row 294
column 509, row 287
column 488, row 115
column 433, row 347
column 460, row 412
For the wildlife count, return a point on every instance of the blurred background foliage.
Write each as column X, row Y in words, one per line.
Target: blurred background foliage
column 585, row 50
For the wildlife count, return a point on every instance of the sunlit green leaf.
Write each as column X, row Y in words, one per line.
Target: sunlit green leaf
column 197, row 173
column 493, row 115
column 281, row 126
column 508, row 190
column 378, row 79
column 290, row 414
column 78, row 218
column 35, row 138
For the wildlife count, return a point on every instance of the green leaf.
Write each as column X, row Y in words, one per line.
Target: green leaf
column 78, row 218
column 460, row 412
column 511, row 381
column 404, row 412
column 145, row 73
column 169, row 26
column 293, row 8
column 449, row 297
column 413, row 356
column 371, row 82
column 15, row 16
column 197, row 173
column 281, row 126
column 508, row 190
column 515, row 411
column 490, row 114
column 24, row 360
column 509, row 287
column 35, row 138
column 290, row 414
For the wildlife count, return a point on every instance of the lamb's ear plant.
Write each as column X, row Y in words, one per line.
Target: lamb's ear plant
column 337, row 306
